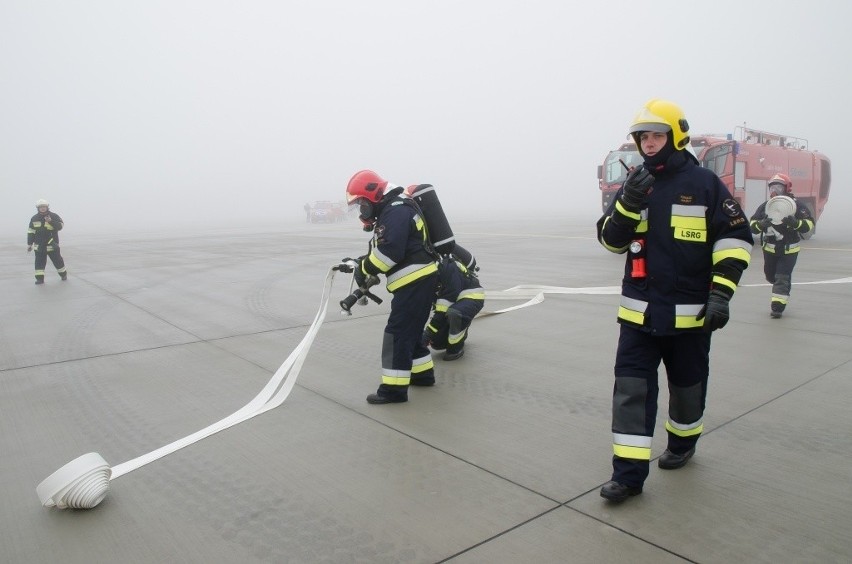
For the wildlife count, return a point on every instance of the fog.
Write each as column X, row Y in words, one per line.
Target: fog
column 194, row 114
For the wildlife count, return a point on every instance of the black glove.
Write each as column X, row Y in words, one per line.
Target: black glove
column 344, row 267
column 360, row 277
column 791, row 222
column 715, row 312
column 764, row 224
column 636, row 188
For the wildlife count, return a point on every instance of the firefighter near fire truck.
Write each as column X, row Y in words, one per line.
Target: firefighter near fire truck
column 687, row 243
column 745, row 160
column 43, row 241
column 781, row 222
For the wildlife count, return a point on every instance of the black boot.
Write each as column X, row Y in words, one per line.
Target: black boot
column 453, row 354
column 613, row 491
column 389, row 394
column 672, row 461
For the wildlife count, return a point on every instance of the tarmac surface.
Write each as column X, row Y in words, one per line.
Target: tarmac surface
column 154, row 337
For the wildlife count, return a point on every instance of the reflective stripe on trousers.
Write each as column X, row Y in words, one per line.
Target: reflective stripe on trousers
column 634, row 405
column 402, row 342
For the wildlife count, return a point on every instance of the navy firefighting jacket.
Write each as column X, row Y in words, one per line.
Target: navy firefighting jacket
column 399, row 248
column 41, row 234
column 691, row 236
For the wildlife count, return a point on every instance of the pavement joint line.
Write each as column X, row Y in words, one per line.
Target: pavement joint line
column 626, row 532
column 500, row 534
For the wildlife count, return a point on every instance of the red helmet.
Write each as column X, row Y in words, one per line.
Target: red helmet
column 365, row 190
column 365, row 184
column 783, row 183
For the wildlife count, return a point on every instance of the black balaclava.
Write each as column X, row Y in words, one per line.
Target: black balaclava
column 660, row 159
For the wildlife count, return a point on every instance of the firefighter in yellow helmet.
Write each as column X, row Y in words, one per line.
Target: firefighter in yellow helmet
column 43, row 239
column 687, row 243
column 780, row 239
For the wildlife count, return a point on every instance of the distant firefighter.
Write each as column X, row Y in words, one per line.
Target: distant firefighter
column 43, row 239
column 780, row 241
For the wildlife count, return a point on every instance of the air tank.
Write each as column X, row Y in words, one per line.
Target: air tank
column 440, row 232
column 439, row 228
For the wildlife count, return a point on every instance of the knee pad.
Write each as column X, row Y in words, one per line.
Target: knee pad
column 782, row 284
column 455, row 321
column 686, row 405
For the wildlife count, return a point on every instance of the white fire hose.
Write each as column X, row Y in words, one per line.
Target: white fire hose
column 83, row 483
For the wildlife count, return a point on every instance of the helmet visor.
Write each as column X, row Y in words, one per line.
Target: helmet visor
column 777, row 189
column 366, row 210
column 650, row 126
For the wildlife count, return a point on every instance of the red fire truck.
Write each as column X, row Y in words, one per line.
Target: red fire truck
column 745, row 161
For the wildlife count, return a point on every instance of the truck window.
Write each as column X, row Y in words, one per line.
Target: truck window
column 825, row 179
column 716, row 158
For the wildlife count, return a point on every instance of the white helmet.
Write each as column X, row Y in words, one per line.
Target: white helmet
column 42, row 202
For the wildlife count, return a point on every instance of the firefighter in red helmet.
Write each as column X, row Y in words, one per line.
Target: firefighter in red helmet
column 687, row 243
column 400, row 250
column 780, row 221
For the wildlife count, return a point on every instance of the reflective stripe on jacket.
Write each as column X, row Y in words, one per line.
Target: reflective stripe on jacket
column 691, row 236
column 399, row 246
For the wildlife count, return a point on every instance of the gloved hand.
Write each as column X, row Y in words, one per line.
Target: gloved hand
column 29, row 248
column 636, row 188
column 790, row 222
column 344, row 267
column 715, row 312
column 764, row 224
column 360, row 276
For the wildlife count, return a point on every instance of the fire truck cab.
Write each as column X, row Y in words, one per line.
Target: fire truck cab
column 745, row 161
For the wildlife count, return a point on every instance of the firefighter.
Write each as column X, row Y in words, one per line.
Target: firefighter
column 687, row 243
column 780, row 242
column 459, row 298
column 43, row 239
column 401, row 251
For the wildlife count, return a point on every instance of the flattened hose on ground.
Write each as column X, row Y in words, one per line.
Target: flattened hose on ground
column 83, row 483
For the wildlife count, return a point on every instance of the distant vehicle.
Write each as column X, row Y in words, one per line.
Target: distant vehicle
column 327, row 212
column 745, row 161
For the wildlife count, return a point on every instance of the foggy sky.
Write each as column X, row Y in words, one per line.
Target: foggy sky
column 156, row 114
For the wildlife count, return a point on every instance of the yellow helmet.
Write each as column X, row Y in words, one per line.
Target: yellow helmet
column 663, row 116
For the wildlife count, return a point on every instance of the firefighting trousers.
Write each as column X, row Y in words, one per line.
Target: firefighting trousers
column 449, row 330
column 404, row 356
column 778, row 269
column 686, row 357
column 41, row 262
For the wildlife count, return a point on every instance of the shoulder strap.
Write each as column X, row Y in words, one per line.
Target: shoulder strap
column 427, row 243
